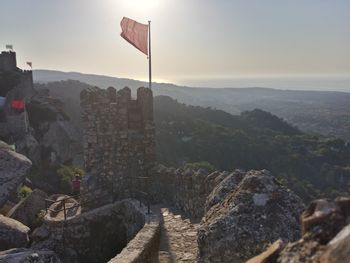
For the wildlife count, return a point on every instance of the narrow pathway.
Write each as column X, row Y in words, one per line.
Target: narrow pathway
column 178, row 242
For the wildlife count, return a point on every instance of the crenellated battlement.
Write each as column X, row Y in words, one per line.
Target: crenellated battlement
column 119, row 139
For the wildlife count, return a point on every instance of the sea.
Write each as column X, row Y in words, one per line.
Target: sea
column 337, row 83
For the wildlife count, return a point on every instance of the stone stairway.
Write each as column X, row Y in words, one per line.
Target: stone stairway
column 178, row 241
column 64, row 207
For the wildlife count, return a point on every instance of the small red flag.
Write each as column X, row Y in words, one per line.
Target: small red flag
column 135, row 33
column 18, row 104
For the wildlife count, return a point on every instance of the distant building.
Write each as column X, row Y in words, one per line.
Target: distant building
column 15, row 84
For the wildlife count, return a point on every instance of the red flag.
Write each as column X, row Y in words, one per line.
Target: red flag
column 135, row 33
column 30, row 64
column 18, row 104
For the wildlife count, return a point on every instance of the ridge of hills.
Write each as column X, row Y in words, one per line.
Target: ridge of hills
column 313, row 166
column 317, row 112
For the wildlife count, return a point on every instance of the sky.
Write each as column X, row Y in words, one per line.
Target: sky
column 192, row 40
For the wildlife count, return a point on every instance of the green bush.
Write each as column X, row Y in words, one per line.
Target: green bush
column 23, row 191
column 200, row 165
column 66, row 174
column 39, row 219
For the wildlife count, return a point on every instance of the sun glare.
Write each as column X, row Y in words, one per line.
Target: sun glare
column 141, row 5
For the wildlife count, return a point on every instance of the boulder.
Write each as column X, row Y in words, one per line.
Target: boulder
column 270, row 255
column 326, row 234
column 25, row 255
column 323, row 219
column 27, row 210
column 12, row 233
column 254, row 214
column 63, row 139
column 223, row 188
column 338, row 249
column 30, row 147
column 304, row 250
column 13, row 168
column 7, row 207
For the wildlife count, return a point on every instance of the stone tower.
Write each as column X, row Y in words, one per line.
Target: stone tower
column 15, row 84
column 8, row 61
column 119, row 142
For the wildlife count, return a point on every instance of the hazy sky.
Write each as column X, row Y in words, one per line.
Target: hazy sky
column 191, row 39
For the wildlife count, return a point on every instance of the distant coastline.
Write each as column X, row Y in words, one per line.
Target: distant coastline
column 290, row 83
column 312, row 83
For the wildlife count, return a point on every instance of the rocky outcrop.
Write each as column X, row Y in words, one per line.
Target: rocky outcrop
column 24, row 255
column 13, row 168
column 255, row 213
column 326, row 234
column 12, row 233
column 270, row 255
column 27, row 210
column 338, row 249
column 223, row 188
column 7, row 207
column 56, row 135
column 63, row 140
column 30, row 147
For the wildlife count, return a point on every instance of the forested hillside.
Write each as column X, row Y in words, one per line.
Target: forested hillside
column 311, row 165
column 318, row 112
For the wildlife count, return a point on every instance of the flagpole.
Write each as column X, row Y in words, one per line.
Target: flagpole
column 149, row 56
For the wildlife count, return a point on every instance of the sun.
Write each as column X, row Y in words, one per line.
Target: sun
column 141, row 5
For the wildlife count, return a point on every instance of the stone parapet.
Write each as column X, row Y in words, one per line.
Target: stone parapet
column 97, row 235
column 144, row 246
column 186, row 189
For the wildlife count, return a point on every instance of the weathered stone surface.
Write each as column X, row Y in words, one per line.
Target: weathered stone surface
column 326, row 235
column 223, row 188
column 179, row 236
column 269, row 255
column 119, row 143
column 338, row 250
column 63, row 140
column 7, row 207
column 253, row 215
column 24, row 255
column 13, row 168
column 185, row 189
column 144, row 245
column 323, row 219
column 27, row 210
column 12, row 233
column 304, row 250
column 29, row 146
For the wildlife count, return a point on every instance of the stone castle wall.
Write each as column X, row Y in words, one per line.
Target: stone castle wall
column 119, row 145
column 97, row 235
column 186, row 189
column 119, row 142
